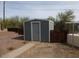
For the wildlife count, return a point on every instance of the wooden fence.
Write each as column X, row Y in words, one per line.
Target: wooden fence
column 58, row 36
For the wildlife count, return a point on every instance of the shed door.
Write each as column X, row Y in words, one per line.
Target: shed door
column 35, row 31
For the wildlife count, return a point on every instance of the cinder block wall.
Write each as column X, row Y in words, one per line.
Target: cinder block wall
column 73, row 39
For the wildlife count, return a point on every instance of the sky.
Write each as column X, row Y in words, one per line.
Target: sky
column 38, row 9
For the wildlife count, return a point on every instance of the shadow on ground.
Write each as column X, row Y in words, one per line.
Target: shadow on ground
column 20, row 37
column 72, row 46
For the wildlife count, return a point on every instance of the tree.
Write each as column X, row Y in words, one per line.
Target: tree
column 14, row 21
column 23, row 19
column 66, row 16
column 62, row 18
column 51, row 18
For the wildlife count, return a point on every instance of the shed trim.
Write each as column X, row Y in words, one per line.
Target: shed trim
column 49, row 34
column 24, row 29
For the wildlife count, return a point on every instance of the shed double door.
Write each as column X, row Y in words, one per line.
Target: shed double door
column 35, row 31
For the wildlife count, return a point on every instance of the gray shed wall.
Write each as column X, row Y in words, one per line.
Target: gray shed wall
column 27, row 31
column 45, row 31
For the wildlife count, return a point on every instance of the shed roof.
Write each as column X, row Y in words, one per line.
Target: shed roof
column 37, row 20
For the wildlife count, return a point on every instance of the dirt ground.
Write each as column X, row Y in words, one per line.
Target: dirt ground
column 51, row 50
column 9, row 42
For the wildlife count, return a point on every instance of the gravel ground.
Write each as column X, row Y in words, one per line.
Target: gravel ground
column 8, row 42
column 51, row 50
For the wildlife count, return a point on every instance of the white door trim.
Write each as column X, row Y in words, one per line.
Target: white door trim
column 49, row 32
column 39, row 30
column 24, row 29
column 49, row 35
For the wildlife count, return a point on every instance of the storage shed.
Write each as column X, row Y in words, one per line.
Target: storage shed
column 38, row 30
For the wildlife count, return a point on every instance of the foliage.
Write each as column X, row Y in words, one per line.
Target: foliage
column 13, row 21
column 66, row 16
column 62, row 18
column 52, row 18
column 59, row 21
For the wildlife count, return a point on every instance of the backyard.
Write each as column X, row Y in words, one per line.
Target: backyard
column 30, row 28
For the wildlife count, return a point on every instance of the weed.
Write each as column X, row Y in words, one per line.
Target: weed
column 24, row 42
column 11, row 48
